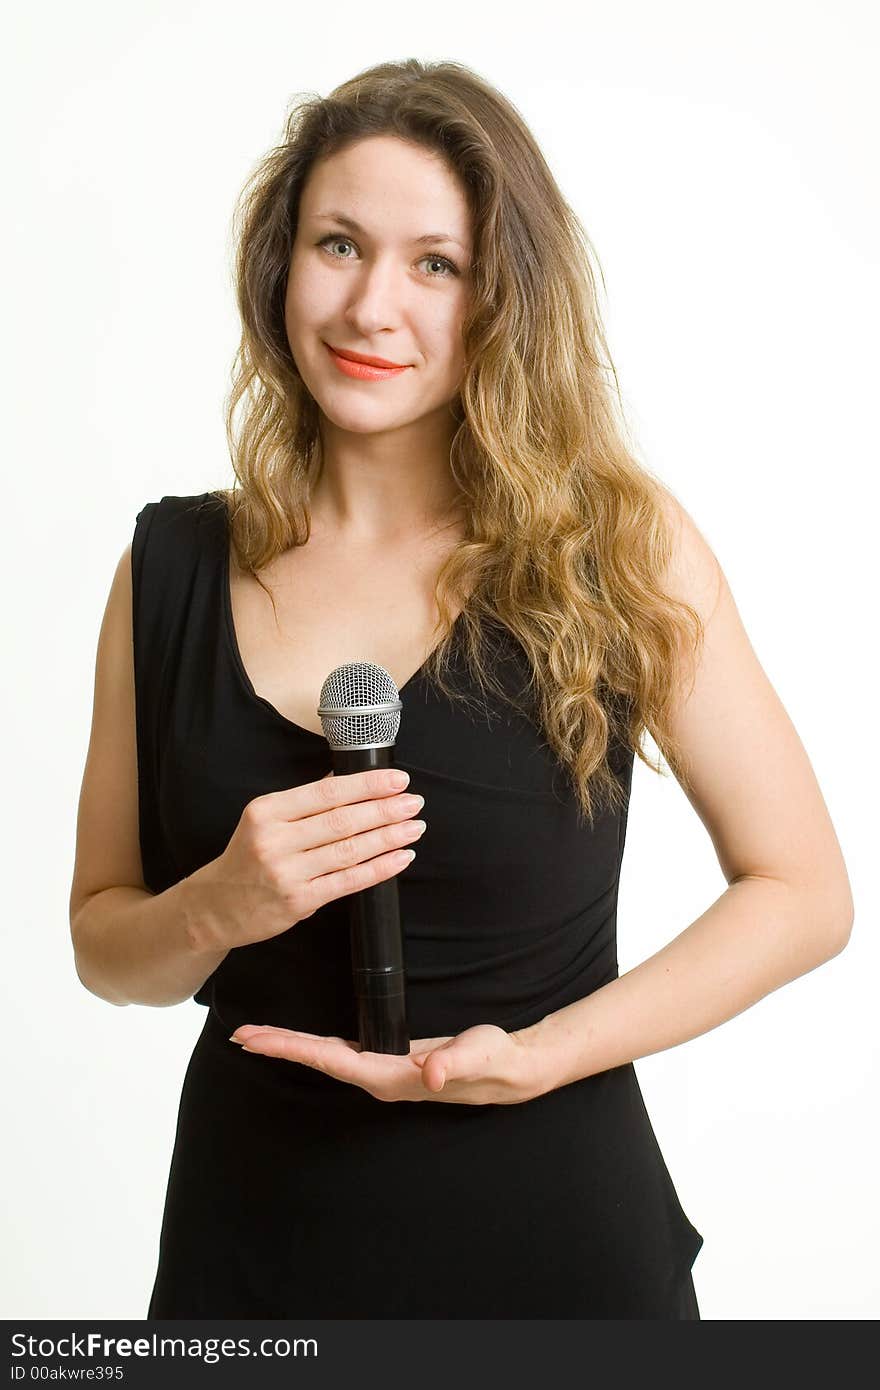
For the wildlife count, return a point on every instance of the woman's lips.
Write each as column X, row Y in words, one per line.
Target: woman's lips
column 361, row 369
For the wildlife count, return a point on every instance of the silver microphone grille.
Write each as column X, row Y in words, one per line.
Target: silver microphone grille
column 360, row 706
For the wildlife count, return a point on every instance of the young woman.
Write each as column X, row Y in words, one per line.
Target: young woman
column 431, row 475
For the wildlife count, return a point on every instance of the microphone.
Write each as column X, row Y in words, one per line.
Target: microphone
column 359, row 711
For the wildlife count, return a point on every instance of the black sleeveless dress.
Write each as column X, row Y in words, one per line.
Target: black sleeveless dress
column 294, row 1195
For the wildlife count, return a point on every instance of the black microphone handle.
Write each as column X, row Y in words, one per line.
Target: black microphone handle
column 376, row 940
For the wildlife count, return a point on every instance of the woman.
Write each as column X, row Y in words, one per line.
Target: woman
column 468, row 516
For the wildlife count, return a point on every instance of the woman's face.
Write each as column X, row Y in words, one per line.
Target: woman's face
column 379, row 291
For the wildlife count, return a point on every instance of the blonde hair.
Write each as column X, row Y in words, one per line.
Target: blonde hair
column 567, row 536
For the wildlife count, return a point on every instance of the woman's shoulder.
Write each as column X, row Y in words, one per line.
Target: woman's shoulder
column 174, row 513
column 692, row 572
column 177, row 504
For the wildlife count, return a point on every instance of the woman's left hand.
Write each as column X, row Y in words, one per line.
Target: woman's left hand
column 481, row 1066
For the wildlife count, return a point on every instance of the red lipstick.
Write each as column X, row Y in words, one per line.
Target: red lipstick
column 356, row 364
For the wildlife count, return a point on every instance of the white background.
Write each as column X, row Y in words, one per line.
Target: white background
column 721, row 160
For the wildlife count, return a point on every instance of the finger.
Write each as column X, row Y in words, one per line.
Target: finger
column 363, row 829
column 351, row 850
column 312, row 798
column 436, row 1070
column 450, row 1060
column 332, row 1058
column 422, row 1046
column 248, row 1030
column 434, row 1078
column 315, row 892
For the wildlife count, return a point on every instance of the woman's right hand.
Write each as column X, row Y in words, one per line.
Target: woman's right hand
column 295, row 850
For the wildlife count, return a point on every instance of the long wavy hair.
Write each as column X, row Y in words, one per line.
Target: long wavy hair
column 566, row 535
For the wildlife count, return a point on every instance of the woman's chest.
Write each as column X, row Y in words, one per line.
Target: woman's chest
column 329, row 610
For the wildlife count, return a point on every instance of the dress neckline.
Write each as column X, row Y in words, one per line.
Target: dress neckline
column 235, row 650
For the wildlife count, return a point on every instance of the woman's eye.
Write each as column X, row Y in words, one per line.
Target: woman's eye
column 334, row 240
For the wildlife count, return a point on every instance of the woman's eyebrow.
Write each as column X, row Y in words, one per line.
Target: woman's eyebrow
column 356, row 227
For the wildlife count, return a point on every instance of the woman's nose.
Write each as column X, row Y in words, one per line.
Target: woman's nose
column 377, row 297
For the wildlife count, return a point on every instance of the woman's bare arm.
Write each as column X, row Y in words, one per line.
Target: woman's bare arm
column 788, row 906
column 131, row 946
column 136, row 947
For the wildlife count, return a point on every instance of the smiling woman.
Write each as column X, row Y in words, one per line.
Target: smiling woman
column 431, row 476
column 383, row 300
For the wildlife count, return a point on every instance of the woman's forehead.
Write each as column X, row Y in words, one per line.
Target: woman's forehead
column 373, row 184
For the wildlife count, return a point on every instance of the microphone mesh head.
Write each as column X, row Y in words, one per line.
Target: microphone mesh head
column 360, row 706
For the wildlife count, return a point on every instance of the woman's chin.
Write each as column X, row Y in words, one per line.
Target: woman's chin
column 366, row 417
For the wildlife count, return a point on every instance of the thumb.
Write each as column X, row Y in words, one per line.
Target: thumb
column 433, row 1080
column 436, row 1068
